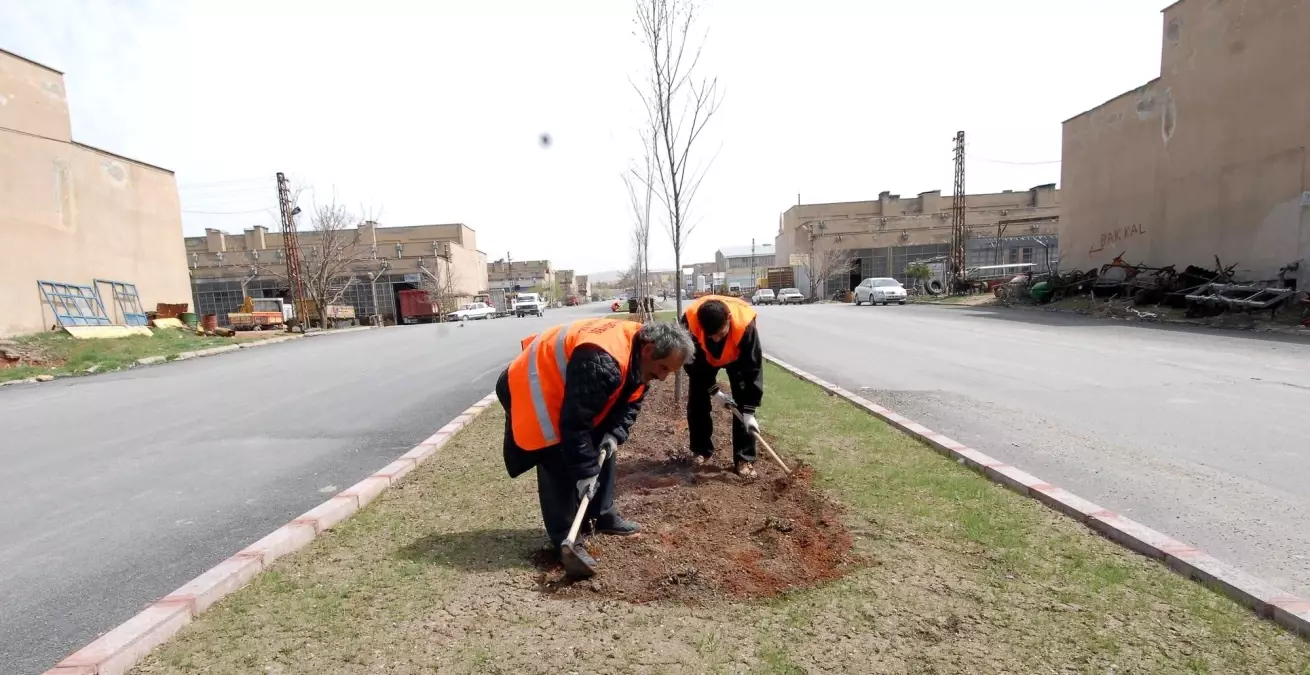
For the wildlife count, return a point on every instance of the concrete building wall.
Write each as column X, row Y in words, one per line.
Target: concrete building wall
column 1209, row 159
column 72, row 213
column 33, row 99
column 526, row 274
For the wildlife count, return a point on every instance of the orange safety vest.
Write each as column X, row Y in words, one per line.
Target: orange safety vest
column 740, row 315
column 537, row 375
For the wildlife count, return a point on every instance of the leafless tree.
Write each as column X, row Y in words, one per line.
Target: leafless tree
column 640, row 183
column 822, row 263
column 442, row 286
column 333, row 254
column 679, row 105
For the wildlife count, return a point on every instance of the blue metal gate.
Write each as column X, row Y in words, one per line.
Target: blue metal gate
column 127, row 299
column 74, row 305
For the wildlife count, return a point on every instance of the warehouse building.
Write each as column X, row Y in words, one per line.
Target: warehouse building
column 885, row 235
column 1208, row 159
column 383, row 262
column 74, row 214
column 743, row 265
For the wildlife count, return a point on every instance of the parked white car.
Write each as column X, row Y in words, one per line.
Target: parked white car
column 763, row 296
column 472, row 312
column 791, row 296
column 880, row 291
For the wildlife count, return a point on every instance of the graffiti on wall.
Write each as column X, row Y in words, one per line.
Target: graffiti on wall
column 1117, row 235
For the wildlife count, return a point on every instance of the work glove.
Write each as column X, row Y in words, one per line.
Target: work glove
column 608, row 446
column 723, row 398
column 752, row 425
column 587, row 487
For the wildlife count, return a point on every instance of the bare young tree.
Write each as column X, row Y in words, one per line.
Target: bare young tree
column 679, row 105
column 822, row 263
column 333, row 253
column 640, row 182
column 442, row 286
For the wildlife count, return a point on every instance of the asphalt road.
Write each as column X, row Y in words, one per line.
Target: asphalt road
column 1199, row 434
column 121, row 487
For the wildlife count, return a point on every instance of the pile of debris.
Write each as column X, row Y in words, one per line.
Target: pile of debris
column 14, row 354
column 1200, row 291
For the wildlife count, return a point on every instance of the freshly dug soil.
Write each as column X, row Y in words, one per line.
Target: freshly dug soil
column 707, row 533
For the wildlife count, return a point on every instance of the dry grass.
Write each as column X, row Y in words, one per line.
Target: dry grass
column 964, row 577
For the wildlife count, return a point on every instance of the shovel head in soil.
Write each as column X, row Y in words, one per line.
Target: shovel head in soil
column 576, row 566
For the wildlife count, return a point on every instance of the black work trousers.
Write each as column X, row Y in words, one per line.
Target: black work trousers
column 557, row 489
column 700, row 423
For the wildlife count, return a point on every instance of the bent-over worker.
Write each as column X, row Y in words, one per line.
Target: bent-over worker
column 572, row 390
column 726, row 337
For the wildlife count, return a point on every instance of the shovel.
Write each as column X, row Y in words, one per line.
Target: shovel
column 717, row 392
column 575, row 567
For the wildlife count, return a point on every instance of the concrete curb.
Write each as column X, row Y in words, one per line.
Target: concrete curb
column 117, row 651
column 1287, row 610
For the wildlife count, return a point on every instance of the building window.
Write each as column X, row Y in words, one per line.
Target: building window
column 1026, row 254
column 1012, row 256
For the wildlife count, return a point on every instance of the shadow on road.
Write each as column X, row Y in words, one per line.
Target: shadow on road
column 1070, row 320
column 476, row 551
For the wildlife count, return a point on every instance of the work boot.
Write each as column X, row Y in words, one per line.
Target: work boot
column 616, row 525
column 577, row 563
column 745, row 469
column 699, row 460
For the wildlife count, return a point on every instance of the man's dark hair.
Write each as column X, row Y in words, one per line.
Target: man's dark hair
column 713, row 316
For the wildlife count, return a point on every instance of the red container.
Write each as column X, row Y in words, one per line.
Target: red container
column 210, row 322
column 416, row 304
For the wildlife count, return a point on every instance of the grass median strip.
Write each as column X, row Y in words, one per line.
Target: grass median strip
column 59, row 354
column 958, row 576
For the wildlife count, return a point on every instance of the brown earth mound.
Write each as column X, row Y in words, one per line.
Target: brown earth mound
column 706, row 532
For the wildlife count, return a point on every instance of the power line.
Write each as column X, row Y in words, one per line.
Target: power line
column 229, row 213
column 1002, row 161
column 218, row 182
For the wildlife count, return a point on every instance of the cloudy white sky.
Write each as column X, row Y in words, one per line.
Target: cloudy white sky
column 430, row 111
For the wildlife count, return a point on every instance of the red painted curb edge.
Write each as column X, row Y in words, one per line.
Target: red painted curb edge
column 115, row 652
column 1287, row 610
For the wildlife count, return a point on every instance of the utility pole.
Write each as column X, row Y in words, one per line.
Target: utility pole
column 753, row 277
column 509, row 272
column 958, row 232
column 291, row 249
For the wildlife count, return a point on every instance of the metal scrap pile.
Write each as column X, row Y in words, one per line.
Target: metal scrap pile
column 1202, row 292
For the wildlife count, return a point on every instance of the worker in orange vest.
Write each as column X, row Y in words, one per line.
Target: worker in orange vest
column 573, row 390
column 726, row 337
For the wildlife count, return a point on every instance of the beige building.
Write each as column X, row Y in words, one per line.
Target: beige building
column 71, row 213
column 583, row 285
column 1207, row 159
column 744, row 265
column 386, row 260
column 564, row 286
column 887, row 234
column 521, row 275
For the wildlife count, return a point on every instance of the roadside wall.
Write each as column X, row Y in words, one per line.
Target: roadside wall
column 1210, row 158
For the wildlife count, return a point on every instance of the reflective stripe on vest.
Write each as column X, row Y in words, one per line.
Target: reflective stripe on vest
column 538, row 381
column 740, row 316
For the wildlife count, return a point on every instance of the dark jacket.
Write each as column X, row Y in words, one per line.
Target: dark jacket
column 592, row 378
column 747, row 372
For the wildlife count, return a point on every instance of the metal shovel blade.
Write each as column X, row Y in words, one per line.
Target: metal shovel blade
column 575, row 567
